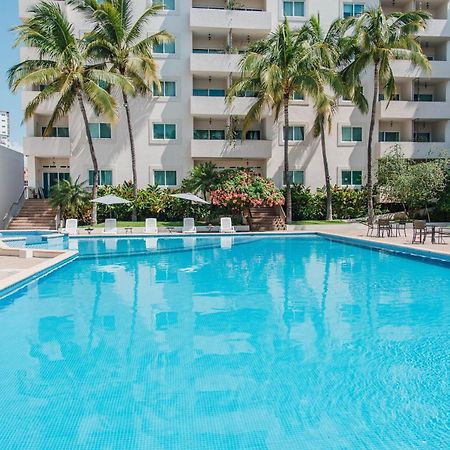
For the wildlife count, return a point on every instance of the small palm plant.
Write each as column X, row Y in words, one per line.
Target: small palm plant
column 118, row 39
column 66, row 70
column 275, row 68
column 380, row 39
column 202, row 179
column 70, row 198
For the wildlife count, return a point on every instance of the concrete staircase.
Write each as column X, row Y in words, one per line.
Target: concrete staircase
column 34, row 215
column 266, row 219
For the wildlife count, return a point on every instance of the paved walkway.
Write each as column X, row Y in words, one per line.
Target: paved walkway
column 12, row 265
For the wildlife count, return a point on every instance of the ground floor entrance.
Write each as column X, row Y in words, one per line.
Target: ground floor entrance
column 49, row 179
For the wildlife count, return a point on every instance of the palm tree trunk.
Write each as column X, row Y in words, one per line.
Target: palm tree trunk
column 93, row 157
column 370, row 210
column 133, row 154
column 326, row 170
column 286, row 160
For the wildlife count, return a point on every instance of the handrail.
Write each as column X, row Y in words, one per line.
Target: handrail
column 18, row 204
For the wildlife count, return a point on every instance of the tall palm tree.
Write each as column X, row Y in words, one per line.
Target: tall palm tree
column 380, row 39
column 275, row 68
column 64, row 70
column 118, row 39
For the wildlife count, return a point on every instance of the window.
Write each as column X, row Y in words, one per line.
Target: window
column 100, row 130
column 165, row 177
column 423, row 97
column 56, row 132
column 165, row 48
column 208, row 92
column 247, row 93
column 214, row 135
column 104, row 177
column 389, row 136
column 166, row 89
column 167, row 5
column 296, row 177
column 351, row 177
column 253, row 135
column 352, row 134
column 353, row 9
column 422, row 137
column 294, row 8
column 296, row 133
column 164, row 131
column 394, row 97
column 298, row 96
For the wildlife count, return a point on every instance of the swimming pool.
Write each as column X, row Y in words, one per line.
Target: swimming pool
column 228, row 343
column 27, row 237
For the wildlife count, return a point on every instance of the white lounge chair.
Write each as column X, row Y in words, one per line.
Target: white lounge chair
column 71, row 226
column 189, row 225
column 110, row 226
column 151, row 226
column 226, row 226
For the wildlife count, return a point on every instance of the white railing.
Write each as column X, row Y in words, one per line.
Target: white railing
column 15, row 208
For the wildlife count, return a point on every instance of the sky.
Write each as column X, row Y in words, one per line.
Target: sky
column 9, row 17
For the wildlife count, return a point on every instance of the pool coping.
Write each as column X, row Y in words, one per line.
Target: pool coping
column 59, row 258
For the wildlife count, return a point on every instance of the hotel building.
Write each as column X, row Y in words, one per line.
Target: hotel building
column 186, row 124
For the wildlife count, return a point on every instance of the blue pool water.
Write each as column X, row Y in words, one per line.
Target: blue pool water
column 233, row 343
column 31, row 237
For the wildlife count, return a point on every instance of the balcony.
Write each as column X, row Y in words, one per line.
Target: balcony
column 48, row 147
column 416, row 150
column 25, row 5
column 217, row 106
column 45, row 108
column 439, row 69
column 226, row 149
column 214, row 19
column 436, row 28
column 414, row 110
column 215, row 64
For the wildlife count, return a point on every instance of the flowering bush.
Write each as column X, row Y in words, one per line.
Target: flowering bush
column 237, row 189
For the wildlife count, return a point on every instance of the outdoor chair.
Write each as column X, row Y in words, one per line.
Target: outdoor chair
column 71, row 226
column 189, row 225
column 443, row 232
column 151, row 226
column 370, row 227
column 110, row 226
column 226, row 225
column 420, row 231
column 384, row 225
column 400, row 226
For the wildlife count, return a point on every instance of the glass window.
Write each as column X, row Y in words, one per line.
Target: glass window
column 217, row 93
column 294, row 8
column 296, row 133
column 95, row 130
column 353, row 9
column 389, row 136
column 168, row 5
column 217, row 135
column 201, row 134
column 164, row 47
column 422, row 137
column 164, row 131
column 104, row 177
column 166, row 89
column 351, row 177
column 351, row 134
column 200, row 92
column 423, row 97
column 298, row 96
column 165, row 177
column 100, row 130
column 63, row 132
column 253, row 135
column 296, row 177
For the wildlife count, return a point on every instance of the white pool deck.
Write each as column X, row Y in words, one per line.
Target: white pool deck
column 14, row 269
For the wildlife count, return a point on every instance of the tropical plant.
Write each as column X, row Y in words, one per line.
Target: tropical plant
column 64, row 68
column 238, row 189
column 70, row 198
column 411, row 183
column 118, row 39
column 202, row 178
column 380, row 39
column 275, row 68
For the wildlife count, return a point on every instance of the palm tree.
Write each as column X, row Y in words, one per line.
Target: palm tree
column 380, row 39
column 202, row 178
column 117, row 38
column 275, row 68
column 71, row 198
column 64, row 70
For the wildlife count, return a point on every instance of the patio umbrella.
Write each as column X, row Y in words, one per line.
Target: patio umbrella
column 110, row 200
column 191, row 198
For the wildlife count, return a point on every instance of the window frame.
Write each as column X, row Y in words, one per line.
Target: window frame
column 352, row 4
column 164, row 139
column 352, row 172
column 100, row 177
column 293, row 16
column 163, row 3
column 352, row 140
column 159, row 170
column 99, row 126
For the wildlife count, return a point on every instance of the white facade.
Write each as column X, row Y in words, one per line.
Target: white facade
column 188, row 124
column 5, row 130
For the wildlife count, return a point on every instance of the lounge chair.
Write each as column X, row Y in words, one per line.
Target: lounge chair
column 110, row 226
column 71, row 226
column 226, row 226
column 151, row 226
column 189, row 225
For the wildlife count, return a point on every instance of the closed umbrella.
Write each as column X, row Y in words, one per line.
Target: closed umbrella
column 110, row 200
